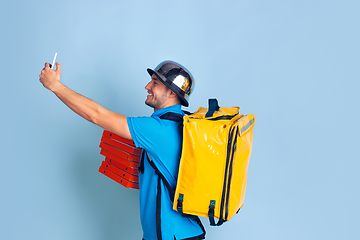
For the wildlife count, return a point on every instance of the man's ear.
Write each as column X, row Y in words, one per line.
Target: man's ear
column 172, row 94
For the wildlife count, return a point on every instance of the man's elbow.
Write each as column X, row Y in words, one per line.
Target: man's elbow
column 94, row 117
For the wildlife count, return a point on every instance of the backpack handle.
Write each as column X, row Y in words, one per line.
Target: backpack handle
column 213, row 107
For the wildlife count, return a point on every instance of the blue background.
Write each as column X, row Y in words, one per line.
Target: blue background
column 294, row 64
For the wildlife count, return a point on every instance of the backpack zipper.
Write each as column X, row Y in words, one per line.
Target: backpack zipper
column 230, row 173
column 226, row 117
column 223, row 197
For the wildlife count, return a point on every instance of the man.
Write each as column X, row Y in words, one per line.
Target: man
column 160, row 139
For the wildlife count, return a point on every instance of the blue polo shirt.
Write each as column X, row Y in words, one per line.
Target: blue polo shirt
column 162, row 140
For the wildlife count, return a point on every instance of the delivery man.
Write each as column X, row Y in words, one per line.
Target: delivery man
column 168, row 89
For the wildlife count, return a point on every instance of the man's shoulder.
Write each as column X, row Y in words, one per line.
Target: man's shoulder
column 147, row 130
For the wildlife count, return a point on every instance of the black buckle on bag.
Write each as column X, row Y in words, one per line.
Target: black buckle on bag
column 179, row 205
column 211, row 212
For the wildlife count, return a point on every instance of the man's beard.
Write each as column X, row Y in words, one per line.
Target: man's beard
column 156, row 102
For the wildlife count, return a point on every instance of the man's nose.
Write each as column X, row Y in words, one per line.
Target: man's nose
column 147, row 87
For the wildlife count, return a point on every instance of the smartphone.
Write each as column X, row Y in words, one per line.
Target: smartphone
column 53, row 63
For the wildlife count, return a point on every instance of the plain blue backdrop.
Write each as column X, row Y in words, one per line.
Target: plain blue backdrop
column 294, row 64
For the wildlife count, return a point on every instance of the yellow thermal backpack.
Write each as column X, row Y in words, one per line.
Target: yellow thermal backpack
column 217, row 145
column 216, row 149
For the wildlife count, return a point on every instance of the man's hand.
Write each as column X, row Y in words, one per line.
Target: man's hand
column 50, row 78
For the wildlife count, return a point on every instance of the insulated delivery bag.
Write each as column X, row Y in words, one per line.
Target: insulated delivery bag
column 217, row 145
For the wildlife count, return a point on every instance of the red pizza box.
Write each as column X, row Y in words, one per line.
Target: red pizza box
column 114, row 159
column 118, row 179
column 128, row 169
column 120, row 172
column 118, row 138
column 122, row 159
column 120, row 153
column 120, row 145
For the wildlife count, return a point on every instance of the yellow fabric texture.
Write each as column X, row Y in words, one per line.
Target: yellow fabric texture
column 214, row 162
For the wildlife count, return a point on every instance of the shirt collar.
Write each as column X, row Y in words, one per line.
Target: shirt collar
column 174, row 108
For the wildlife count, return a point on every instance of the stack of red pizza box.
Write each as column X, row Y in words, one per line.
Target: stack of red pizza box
column 121, row 159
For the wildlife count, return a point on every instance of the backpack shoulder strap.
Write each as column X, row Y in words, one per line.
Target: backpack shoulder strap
column 161, row 176
column 171, row 195
column 176, row 117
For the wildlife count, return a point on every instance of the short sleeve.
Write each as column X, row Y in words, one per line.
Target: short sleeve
column 145, row 131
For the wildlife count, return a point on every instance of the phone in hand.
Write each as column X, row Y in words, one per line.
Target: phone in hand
column 53, row 63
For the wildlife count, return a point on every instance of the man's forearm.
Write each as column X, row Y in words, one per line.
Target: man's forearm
column 80, row 104
column 85, row 107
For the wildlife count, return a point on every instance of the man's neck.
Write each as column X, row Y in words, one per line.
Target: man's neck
column 168, row 105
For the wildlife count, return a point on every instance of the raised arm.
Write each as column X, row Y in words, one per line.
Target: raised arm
column 85, row 107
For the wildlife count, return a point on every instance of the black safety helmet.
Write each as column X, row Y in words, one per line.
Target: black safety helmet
column 176, row 77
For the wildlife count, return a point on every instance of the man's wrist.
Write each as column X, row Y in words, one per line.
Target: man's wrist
column 56, row 87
